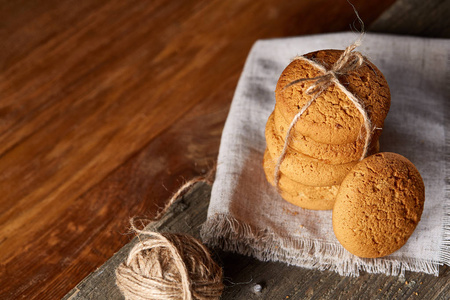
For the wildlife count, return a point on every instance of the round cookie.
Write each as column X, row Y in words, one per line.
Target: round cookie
column 302, row 168
column 332, row 118
column 299, row 199
column 378, row 205
column 309, row 197
column 329, row 153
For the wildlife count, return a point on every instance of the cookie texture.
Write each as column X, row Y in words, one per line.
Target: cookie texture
column 333, row 118
column 329, row 153
column 302, row 168
column 378, row 205
column 309, row 197
column 315, row 203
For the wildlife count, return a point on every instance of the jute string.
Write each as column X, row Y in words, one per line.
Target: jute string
column 347, row 62
column 169, row 266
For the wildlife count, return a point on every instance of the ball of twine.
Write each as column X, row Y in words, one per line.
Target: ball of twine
column 169, row 266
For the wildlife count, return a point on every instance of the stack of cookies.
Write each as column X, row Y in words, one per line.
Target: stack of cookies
column 329, row 138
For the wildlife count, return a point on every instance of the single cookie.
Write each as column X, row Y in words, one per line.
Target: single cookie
column 302, row 168
column 309, row 197
column 378, row 205
column 329, row 153
column 313, row 203
column 332, row 118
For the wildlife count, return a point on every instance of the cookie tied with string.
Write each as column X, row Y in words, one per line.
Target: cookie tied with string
column 329, row 112
column 332, row 118
column 328, row 153
column 303, row 168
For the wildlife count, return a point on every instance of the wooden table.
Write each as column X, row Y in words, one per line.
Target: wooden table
column 106, row 107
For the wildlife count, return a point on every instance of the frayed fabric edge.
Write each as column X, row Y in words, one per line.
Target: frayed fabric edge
column 229, row 234
column 445, row 246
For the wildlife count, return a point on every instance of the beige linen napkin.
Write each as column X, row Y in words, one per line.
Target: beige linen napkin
column 246, row 215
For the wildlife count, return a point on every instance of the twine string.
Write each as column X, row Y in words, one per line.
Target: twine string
column 183, row 190
column 347, row 62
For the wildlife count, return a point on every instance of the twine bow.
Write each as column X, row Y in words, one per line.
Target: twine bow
column 347, row 62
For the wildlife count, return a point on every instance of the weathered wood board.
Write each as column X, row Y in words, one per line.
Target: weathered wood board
column 415, row 17
column 278, row 280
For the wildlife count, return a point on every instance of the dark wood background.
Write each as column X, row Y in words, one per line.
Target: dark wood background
column 106, row 107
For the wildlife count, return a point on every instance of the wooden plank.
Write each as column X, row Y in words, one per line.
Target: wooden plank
column 106, row 106
column 415, row 17
column 277, row 280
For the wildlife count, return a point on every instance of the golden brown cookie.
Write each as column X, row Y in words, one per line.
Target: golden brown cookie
column 378, row 205
column 309, row 197
column 329, row 153
column 313, row 203
column 333, row 118
column 302, row 168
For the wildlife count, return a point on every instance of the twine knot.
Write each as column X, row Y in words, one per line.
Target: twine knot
column 170, row 267
column 347, row 62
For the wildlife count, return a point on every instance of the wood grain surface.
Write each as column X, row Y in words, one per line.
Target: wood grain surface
column 106, row 107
